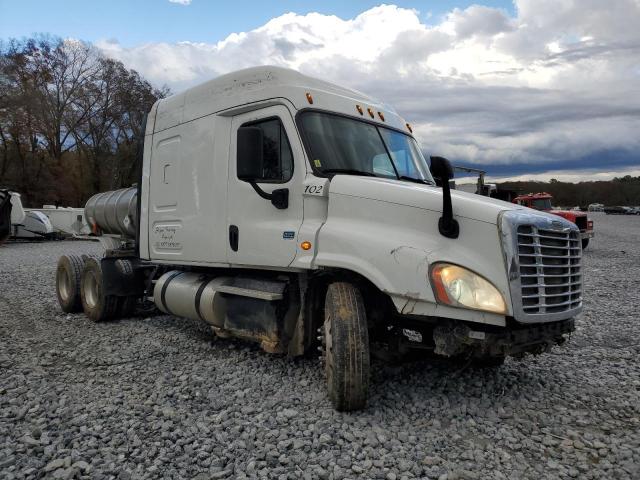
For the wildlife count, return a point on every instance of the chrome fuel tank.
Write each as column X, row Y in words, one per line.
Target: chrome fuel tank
column 114, row 212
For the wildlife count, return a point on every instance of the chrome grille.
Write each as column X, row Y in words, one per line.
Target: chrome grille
column 550, row 270
column 543, row 254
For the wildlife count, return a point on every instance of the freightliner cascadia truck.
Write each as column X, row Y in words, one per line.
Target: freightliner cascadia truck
column 302, row 215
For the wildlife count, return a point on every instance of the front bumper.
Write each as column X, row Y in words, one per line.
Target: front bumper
column 515, row 340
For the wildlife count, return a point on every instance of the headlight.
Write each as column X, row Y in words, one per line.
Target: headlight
column 459, row 287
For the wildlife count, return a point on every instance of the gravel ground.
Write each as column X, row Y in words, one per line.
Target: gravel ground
column 159, row 398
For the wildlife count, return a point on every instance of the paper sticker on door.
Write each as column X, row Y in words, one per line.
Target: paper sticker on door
column 166, row 238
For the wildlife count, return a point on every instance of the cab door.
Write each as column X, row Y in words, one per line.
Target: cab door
column 259, row 233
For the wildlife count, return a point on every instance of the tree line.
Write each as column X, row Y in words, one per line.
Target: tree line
column 70, row 120
column 619, row 191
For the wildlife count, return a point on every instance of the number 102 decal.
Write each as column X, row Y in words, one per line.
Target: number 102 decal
column 313, row 189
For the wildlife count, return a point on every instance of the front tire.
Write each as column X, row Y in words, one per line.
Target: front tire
column 96, row 305
column 346, row 337
column 68, row 274
column 585, row 242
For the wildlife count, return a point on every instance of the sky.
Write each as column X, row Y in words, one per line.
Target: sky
column 525, row 89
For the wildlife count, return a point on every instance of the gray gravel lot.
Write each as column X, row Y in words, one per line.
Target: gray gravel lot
column 159, row 398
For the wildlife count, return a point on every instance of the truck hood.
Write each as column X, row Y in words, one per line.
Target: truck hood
column 467, row 205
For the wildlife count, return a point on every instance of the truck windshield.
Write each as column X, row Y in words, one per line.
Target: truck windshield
column 343, row 145
column 541, row 203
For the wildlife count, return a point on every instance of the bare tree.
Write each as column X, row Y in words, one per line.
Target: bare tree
column 69, row 119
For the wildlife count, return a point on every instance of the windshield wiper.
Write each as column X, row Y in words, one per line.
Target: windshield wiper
column 349, row 171
column 415, row 180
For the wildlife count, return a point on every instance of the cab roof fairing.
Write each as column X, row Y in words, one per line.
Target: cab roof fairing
column 257, row 84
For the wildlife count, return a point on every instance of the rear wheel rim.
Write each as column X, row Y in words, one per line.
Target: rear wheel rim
column 64, row 284
column 90, row 285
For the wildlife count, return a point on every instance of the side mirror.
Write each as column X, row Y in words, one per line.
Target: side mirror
column 250, row 163
column 249, row 158
column 443, row 171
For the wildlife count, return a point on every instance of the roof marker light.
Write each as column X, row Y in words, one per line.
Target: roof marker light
column 370, row 112
column 359, row 108
column 381, row 115
column 309, row 98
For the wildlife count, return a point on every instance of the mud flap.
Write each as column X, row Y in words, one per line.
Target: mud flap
column 121, row 277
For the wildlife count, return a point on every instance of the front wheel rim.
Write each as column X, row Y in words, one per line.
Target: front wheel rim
column 328, row 349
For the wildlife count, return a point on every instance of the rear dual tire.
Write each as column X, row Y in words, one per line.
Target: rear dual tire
column 68, row 275
column 79, row 286
column 96, row 305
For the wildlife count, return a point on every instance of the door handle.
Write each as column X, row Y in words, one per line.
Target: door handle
column 233, row 237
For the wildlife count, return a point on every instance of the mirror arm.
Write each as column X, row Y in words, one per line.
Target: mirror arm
column 447, row 225
column 259, row 191
column 279, row 198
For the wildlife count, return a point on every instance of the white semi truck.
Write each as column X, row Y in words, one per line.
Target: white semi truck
column 290, row 211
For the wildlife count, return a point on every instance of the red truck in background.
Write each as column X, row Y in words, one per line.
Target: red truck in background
column 542, row 201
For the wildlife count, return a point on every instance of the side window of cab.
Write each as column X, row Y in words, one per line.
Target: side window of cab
column 276, row 151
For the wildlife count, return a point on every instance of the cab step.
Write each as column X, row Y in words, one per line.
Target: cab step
column 248, row 292
column 268, row 290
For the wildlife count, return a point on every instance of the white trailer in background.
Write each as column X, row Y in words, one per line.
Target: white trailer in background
column 25, row 223
column 29, row 224
column 35, row 225
column 48, row 222
column 66, row 221
column 17, row 212
column 467, row 187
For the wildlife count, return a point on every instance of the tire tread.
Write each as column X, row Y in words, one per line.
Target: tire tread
column 108, row 305
column 348, row 359
column 74, row 265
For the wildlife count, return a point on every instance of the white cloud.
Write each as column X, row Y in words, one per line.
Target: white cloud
column 181, row 2
column 477, row 21
column 559, row 82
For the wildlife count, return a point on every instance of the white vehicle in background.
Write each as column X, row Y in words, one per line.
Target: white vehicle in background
column 27, row 224
column 66, row 221
column 466, row 187
column 48, row 222
column 18, row 213
column 596, row 207
column 290, row 211
column 36, row 225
